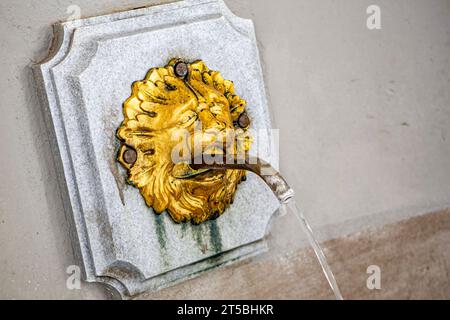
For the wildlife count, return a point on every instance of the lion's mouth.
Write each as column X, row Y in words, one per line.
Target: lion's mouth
column 184, row 171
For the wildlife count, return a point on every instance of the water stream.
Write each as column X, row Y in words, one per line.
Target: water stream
column 284, row 194
column 292, row 206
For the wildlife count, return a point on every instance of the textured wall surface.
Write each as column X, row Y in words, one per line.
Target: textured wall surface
column 413, row 257
column 364, row 118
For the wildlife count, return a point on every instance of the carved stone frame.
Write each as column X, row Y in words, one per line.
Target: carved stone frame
column 82, row 84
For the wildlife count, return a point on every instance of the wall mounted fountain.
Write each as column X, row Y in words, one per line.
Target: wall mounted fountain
column 135, row 242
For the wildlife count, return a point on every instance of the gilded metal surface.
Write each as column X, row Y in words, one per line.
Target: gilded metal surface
column 169, row 102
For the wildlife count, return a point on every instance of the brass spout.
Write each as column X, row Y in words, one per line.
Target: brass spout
column 264, row 170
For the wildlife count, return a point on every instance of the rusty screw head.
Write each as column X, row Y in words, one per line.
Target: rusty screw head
column 243, row 121
column 181, row 69
column 130, row 156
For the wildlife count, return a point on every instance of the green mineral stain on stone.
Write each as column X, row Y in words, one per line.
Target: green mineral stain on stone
column 183, row 229
column 160, row 231
column 197, row 233
column 162, row 237
column 215, row 237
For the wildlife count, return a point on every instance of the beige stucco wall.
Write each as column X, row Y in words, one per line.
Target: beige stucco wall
column 364, row 118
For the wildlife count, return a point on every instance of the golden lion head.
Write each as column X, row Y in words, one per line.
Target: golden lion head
column 173, row 102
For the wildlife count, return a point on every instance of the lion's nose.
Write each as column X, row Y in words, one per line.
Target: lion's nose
column 210, row 122
column 213, row 136
column 208, row 119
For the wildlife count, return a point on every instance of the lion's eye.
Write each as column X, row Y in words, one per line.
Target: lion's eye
column 188, row 118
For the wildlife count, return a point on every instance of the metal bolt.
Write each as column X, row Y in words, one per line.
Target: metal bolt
column 243, row 120
column 130, row 156
column 181, row 69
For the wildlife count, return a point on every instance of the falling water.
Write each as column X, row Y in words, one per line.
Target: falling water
column 292, row 206
column 285, row 194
